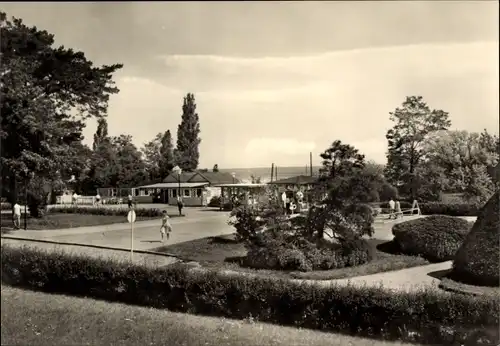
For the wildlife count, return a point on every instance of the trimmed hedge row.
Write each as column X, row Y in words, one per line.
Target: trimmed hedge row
column 450, row 209
column 428, row 316
column 140, row 212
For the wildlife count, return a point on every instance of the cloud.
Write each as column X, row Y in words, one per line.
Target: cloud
column 259, row 110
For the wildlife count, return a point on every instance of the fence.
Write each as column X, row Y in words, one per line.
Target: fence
column 81, row 200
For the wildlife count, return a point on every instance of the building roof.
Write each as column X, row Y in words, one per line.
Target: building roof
column 218, row 177
column 185, row 176
column 240, row 185
column 297, row 180
column 172, row 185
column 198, row 177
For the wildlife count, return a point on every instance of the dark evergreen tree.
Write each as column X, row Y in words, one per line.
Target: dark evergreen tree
column 166, row 154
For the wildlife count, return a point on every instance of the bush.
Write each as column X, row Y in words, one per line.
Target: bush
column 435, row 238
column 215, row 203
column 5, row 206
column 450, row 209
column 140, row 212
column 278, row 251
column 430, row 316
column 476, row 262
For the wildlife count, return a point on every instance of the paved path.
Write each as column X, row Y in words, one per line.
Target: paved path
column 197, row 224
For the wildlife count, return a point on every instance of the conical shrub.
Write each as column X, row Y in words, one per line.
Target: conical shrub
column 477, row 262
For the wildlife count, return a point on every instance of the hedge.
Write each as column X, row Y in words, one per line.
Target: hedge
column 450, row 209
column 5, row 206
column 426, row 316
column 140, row 212
column 436, row 238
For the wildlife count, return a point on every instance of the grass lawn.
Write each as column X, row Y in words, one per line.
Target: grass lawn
column 34, row 318
column 65, row 220
column 222, row 253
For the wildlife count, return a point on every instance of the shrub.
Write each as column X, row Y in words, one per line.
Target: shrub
column 140, row 212
column 476, row 262
column 450, row 209
column 430, row 316
column 435, row 238
column 278, row 251
column 5, row 206
column 215, row 203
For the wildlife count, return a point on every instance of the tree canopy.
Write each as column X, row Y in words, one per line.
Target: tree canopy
column 414, row 121
column 47, row 94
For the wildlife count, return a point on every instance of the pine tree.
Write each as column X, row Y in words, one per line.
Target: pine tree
column 187, row 154
column 166, row 154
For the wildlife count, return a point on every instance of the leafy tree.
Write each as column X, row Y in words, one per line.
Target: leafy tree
column 216, row 168
column 465, row 159
column 47, row 93
column 152, row 157
column 414, row 122
column 130, row 169
column 187, row 154
column 159, row 156
column 430, row 181
column 166, row 162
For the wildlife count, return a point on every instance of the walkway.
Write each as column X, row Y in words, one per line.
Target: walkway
column 197, row 224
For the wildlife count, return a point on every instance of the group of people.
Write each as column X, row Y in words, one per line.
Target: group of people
column 395, row 209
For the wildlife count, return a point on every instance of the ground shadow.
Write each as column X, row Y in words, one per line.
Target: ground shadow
column 390, row 247
column 151, row 241
column 214, row 209
column 240, row 260
column 225, row 239
column 440, row 274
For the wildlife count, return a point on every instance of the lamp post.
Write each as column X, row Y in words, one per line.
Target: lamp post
column 178, row 171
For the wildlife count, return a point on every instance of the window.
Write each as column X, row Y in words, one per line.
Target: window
column 199, row 192
column 174, row 193
column 187, row 193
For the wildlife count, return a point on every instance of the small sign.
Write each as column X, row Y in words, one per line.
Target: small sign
column 131, row 216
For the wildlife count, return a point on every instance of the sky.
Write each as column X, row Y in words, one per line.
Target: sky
column 274, row 81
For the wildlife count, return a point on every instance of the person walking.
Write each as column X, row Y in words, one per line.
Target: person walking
column 97, row 198
column 129, row 201
column 166, row 227
column 392, row 205
column 398, row 209
column 180, row 205
column 16, row 214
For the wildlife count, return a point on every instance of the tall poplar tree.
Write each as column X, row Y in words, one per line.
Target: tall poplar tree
column 187, row 153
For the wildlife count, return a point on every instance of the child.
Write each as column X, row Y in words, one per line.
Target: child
column 166, row 227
